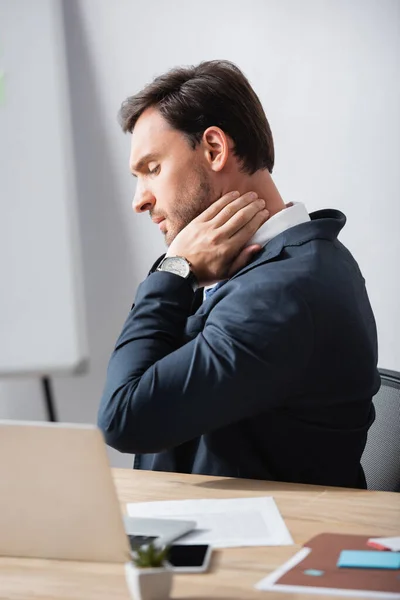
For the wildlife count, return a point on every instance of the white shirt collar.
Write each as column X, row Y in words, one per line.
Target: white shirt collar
column 295, row 214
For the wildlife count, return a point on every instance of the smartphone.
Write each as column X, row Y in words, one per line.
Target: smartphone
column 189, row 559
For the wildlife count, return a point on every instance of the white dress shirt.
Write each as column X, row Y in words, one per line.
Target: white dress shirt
column 292, row 215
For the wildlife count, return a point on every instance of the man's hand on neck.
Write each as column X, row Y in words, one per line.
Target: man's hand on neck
column 215, row 242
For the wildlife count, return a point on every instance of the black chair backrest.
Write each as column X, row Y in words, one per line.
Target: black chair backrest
column 381, row 457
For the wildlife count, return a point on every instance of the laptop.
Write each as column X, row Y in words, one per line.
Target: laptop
column 58, row 499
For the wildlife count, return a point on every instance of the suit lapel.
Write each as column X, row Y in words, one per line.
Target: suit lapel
column 200, row 309
column 268, row 253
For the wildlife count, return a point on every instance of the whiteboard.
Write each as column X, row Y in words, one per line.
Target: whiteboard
column 42, row 328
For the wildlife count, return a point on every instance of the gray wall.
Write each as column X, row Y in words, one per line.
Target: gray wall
column 327, row 74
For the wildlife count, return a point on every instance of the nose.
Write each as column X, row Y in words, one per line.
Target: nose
column 143, row 200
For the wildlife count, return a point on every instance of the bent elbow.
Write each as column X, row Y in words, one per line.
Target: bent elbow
column 132, row 435
column 115, row 439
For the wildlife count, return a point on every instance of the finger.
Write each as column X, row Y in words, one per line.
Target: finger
column 230, row 210
column 244, row 235
column 213, row 210
column 244, row 258
column 218, row 205
column 240, row 218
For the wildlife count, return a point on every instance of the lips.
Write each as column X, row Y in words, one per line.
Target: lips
column 160, row 221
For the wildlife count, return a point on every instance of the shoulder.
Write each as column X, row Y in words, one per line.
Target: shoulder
column 254, row 306
column 267, row 320
column 269, row 284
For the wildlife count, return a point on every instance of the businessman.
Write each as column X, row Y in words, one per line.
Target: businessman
column 251, row 349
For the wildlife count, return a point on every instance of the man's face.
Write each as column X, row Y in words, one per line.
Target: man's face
column 172, row 179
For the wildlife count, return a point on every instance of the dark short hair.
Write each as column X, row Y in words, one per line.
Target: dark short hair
column 216, row 92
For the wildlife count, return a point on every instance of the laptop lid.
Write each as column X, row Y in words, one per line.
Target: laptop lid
column 57, row 496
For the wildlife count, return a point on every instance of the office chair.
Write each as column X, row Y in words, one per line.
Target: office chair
column 381, row 457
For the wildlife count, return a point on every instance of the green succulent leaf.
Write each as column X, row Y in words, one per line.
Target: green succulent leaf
column 150, row 557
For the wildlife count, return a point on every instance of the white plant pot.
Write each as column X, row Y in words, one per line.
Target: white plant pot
column 148, row 584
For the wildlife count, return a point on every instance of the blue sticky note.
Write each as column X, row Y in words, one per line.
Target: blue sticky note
column 368, row 559
column 313, row 572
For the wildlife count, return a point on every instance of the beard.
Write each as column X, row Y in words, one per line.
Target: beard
column 195, row 196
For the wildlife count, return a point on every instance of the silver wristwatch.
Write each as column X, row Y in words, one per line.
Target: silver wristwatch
column 179, row 266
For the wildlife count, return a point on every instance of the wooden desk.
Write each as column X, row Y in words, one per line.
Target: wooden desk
column 307, row 510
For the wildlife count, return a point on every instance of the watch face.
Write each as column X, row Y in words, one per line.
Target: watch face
column 177, row 265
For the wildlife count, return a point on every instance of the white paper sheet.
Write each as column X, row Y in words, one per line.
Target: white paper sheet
column 229, row 523
column 393, row 543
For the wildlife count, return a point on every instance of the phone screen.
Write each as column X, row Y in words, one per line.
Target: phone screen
column 187, row 556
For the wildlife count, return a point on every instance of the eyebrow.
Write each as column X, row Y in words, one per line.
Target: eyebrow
column 143, row 161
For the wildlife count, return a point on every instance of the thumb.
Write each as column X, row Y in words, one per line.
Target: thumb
column 244, row 258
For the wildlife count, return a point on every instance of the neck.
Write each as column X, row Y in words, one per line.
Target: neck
column 261, row 183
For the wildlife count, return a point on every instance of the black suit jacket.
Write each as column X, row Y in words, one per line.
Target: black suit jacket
column 270, row 378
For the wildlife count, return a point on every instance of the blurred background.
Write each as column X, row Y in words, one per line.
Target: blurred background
column 328, row 75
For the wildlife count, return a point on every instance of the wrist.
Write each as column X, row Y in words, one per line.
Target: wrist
column 180, row 266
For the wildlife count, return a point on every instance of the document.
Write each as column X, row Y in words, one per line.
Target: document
column 388, row 543
column 227, row 523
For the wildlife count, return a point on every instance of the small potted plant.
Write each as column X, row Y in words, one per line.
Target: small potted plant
column 148, row 576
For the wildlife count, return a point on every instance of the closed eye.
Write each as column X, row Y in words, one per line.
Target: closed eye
column 155, row 171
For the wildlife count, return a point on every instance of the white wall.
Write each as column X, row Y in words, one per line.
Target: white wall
column 327, row 72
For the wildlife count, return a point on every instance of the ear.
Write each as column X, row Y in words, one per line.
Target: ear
column 216, row 147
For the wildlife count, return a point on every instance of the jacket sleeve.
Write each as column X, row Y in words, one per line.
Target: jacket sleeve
column 160, row 393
